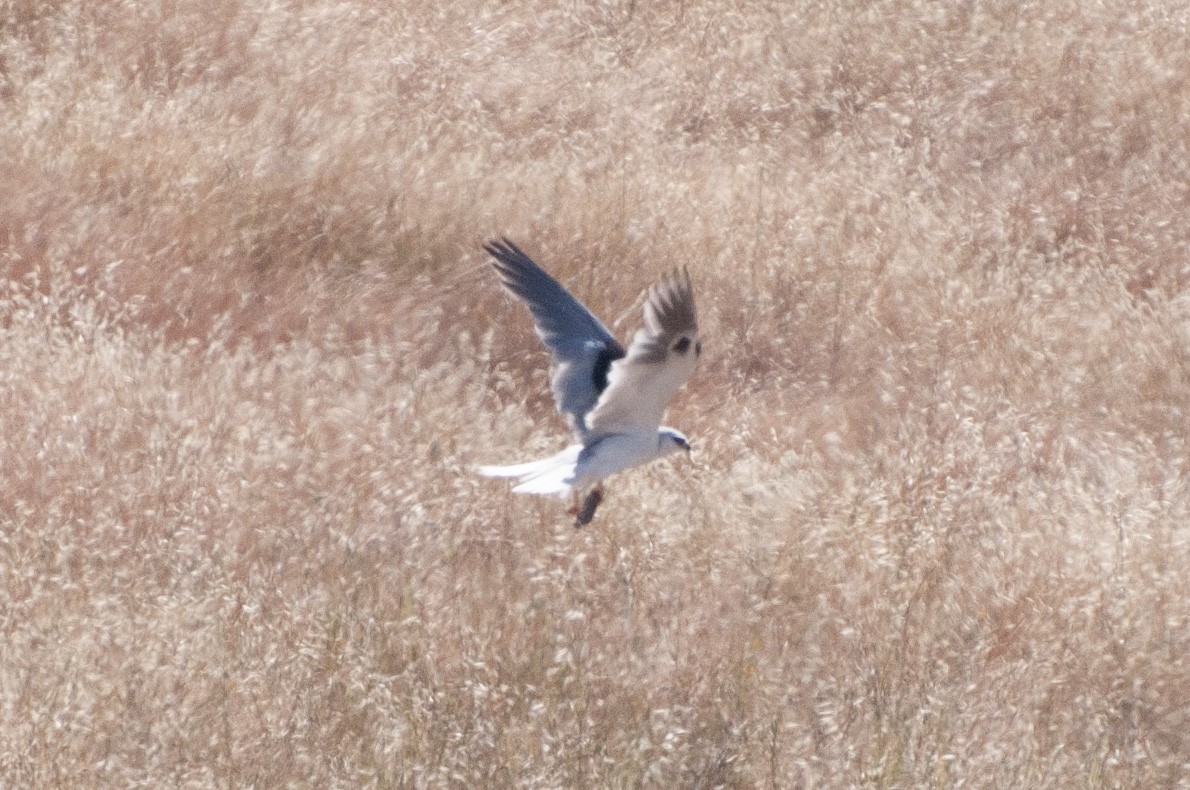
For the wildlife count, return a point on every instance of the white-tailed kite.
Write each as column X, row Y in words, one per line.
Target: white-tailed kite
column 614, row 399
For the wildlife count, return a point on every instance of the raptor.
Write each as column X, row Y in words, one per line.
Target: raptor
column 614, row 398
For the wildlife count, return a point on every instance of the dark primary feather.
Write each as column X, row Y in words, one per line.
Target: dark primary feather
column 670, row 319
column 581, row 346
column 662, row 356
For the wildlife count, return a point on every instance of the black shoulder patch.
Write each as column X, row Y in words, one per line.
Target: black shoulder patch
column 603, row 364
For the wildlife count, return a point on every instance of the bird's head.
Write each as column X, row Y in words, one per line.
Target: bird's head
column 671, row 441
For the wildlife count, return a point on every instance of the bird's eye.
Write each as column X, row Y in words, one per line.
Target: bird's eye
column 682, row 346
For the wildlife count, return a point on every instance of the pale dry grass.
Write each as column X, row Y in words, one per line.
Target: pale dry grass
column 936, row 531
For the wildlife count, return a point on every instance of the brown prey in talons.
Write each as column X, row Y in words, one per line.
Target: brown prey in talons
column 584, row 514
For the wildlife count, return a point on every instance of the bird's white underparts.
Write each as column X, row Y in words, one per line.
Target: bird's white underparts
column 614, row 398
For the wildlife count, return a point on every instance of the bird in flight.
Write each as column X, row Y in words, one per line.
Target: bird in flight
column 614, row 399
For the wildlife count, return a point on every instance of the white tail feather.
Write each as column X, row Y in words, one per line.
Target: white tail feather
column 552, row 475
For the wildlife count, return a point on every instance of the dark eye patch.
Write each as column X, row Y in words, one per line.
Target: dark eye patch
column 682, row 346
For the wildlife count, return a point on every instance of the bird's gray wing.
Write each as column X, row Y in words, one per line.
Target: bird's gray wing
column 581, row 346
column 661, row 357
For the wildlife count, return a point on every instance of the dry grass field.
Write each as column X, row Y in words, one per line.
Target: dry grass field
column 936, row 528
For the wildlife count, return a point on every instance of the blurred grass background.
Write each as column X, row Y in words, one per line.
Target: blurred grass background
column 936, row 531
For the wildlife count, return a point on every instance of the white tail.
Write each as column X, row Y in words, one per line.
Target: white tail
column 552, row 475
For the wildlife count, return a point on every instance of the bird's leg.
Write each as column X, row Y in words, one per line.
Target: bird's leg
column 590, row 505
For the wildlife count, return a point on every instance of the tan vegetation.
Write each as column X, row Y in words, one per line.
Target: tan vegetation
column 937, row 528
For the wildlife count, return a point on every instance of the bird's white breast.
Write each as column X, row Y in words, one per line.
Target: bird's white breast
column 615, row 453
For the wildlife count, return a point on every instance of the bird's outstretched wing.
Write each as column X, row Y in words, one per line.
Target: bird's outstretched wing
column 660, row 359
column 581, row 346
